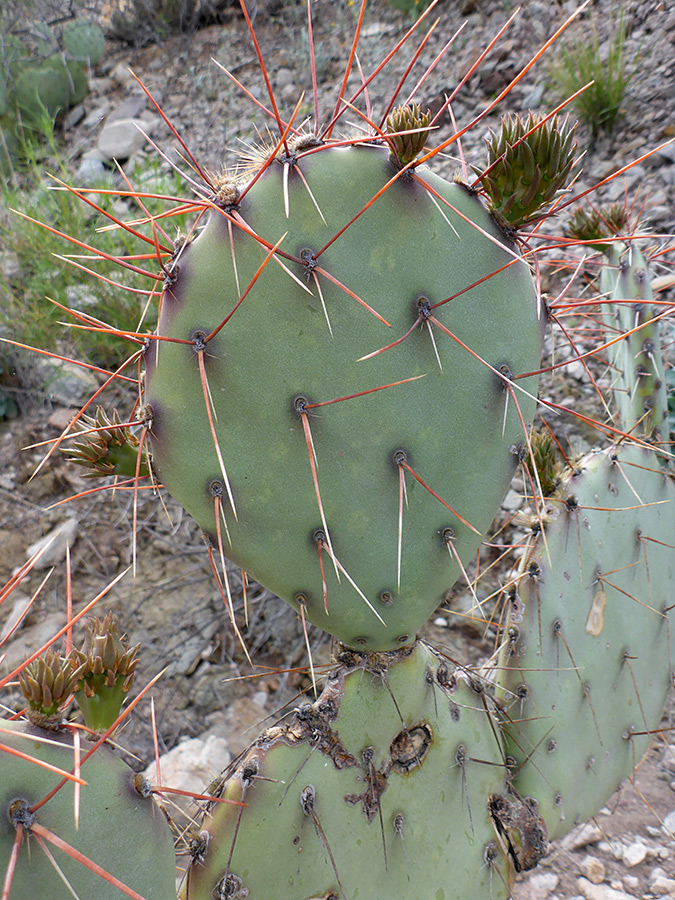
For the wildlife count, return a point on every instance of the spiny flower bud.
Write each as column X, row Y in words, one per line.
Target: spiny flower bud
column 594, row 225
column 109, row 448
column 406, row 147
column 106, row 665
column 527, row 171
column 46, row 684
column 546, row 461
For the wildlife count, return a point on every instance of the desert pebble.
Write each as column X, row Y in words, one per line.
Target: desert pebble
column 591, row 891
column 593, row 869
column 634, row 854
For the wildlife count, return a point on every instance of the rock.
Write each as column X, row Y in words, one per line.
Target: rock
column 67, row 383
column 61, row 418
column 244, row 720
column 28, row 640
column 669, row 823
column 512, row 501
column 663, row 886
column 121, row 138
column 21, row 604
column 122, row 75
column 191, row 766
column 284, row 78
column 97, row 115
column 582, row 837
column 80, row 296
column 73, row 117
column 92, row 167
column 131, row 108
column 10, row 266
column 55, row 542
column 538, row 886
column 601, row 891
column 634, row 854
column 593, row 869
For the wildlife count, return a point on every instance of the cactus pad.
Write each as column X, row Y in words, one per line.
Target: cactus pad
column 378, row 790
column 120, row 830
column 588, row 663
column 354, row 510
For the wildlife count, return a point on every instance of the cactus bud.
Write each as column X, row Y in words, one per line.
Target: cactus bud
column 528, row 165
column 110, row 449
column 46, row 683
column 405, row 147
column 106, row 666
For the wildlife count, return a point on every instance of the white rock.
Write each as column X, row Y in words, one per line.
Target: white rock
column 21, row 604
column 669, row 822
column 121, row 138
column 512, row 501
column 634, row 854
column 663, row 886
column 582, row 837
column 668, row 760
column 74, row 117
column 284, row 77
column 538, row 886
column 64, row 535
column 80, row 296
column 10, row 266
column 191, row 766
column 122, row 75
column 97, row 115
column 92, row 167
column 593, row 869
column 601, row 891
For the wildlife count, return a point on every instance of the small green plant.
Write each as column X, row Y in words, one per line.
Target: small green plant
column 24, row 314
column 583, row 58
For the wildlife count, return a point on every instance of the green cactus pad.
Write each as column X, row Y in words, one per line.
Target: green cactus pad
column 79, row 85
column 47, row 88
column 405, row 254
column 638, row 375
column 383, row 788
column 119, row 829
column 84, row 40
column 588, row 664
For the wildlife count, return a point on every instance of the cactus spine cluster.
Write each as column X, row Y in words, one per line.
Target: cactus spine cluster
column 340, row 387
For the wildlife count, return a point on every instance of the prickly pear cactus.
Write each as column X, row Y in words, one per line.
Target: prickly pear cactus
column 84, row 40
column 381, row 470
column 121, row 840
column 639, row 385
column 588, row 663
column 587, row 667
column 397, row 761
column 46, row 88
column 339, row 388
